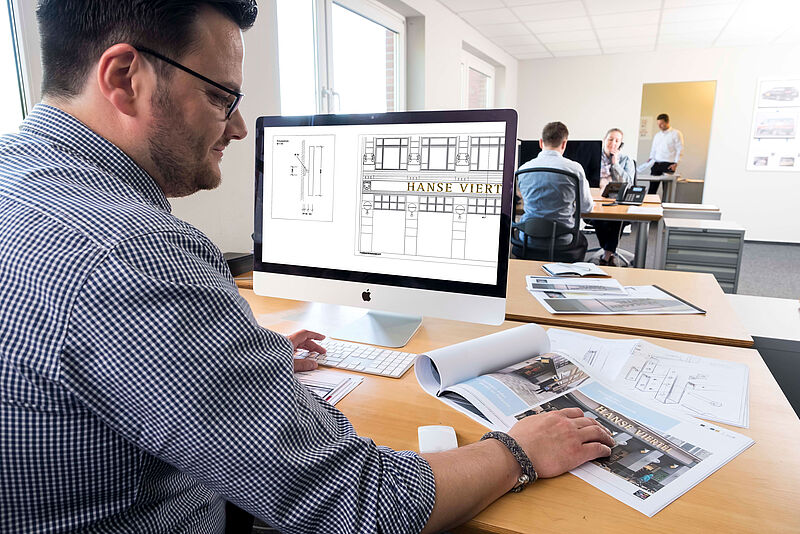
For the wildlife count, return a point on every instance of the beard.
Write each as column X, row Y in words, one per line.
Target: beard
column 180, row 157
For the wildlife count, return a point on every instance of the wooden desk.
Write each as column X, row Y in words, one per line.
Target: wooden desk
column 720, row 325
column 756, row 492
column 641, row 221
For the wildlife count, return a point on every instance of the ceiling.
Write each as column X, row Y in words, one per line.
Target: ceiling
column 533, row 29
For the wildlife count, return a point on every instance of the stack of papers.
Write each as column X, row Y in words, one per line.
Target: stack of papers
column 580, row 268
column 604, row 297
column 331, row 386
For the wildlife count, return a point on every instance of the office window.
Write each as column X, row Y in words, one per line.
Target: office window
column 340, row 57
column 11, row 110
column 477, row 82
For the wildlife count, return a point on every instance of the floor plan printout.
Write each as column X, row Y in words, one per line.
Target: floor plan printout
column 434, row 196
column 707, row 388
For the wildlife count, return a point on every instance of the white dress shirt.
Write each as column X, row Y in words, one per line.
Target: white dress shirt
column 667, row 146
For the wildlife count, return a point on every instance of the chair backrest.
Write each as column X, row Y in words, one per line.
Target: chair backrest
column 556, row 197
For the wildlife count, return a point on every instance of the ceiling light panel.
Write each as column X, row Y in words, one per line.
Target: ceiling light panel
column 605, row 7
column 619, row 20
column 460, row 6
column 496, row 30
column 560, row 25
column 554, row 10
column 489, row 16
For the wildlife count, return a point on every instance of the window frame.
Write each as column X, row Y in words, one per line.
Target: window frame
column 327, row 98
column 471, row 61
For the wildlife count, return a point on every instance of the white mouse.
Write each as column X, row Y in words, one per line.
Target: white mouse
column 436, row 438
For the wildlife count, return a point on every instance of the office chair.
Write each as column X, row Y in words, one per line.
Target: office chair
column 626, row 257
column 543, row 238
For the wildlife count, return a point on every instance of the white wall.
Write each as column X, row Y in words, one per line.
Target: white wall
column 592, row 94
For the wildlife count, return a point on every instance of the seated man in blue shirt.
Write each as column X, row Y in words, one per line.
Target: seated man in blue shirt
column 138, row 392
column 552, row 196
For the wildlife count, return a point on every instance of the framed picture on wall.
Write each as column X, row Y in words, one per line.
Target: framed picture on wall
column 774, row 141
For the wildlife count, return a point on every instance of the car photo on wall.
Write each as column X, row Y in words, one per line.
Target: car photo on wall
column 775, row 127
column 781, row 93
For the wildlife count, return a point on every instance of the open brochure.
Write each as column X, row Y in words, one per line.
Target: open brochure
column 580, row 268
column 501, row 378
column 599, row 297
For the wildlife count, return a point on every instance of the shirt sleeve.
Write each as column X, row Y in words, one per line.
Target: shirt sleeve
column 678, row 146
column 163, row 350
column 586, row 195
column 623, row 170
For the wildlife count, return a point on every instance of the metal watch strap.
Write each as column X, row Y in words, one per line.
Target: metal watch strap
column 529, row 475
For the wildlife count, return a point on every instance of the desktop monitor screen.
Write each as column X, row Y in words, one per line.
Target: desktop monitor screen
column 395, row 212
column 587, row 153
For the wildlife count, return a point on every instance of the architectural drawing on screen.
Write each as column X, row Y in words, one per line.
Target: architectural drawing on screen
column 302, row 170
column 431, row 196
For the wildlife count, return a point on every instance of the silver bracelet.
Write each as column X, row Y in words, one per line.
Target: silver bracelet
column 529, row 474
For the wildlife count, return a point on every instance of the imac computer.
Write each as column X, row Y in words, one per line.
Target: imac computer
column 402, row 214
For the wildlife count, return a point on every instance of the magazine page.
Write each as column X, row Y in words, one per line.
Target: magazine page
column 502, row 396
column 640, row 300
column 658, row 457
column 716, row 390
column 559, row 285
column 444, row 367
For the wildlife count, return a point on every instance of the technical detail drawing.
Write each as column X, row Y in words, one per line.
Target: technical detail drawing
column 431, row 196
column 302, row 170
column 671, row 378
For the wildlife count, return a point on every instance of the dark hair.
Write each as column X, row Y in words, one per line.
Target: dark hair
column 75, row 33
column 663, row 117
column 554, row 133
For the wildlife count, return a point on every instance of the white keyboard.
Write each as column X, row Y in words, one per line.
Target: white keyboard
column 362, row 358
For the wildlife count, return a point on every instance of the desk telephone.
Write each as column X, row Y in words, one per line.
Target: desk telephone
column 626, row 194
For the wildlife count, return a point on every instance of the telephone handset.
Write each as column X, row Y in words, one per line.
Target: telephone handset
column 632, row 195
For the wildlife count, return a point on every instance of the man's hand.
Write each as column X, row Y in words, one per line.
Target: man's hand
column 304, row 339
column 673, row 167
column 562, row 440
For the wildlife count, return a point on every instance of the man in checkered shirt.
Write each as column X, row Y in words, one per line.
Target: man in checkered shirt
column 137, row 391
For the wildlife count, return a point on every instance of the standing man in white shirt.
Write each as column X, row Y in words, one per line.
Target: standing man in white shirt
column 666, row 151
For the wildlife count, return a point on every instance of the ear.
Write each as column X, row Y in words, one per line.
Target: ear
column 541, row 144
column 563, row 144
column 125, row 79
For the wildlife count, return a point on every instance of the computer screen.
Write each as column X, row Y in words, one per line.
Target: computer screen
column 399, row 212
column 585, row 152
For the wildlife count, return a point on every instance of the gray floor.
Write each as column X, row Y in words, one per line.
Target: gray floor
column 768, row 269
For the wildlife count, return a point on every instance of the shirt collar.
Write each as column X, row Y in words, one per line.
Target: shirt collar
column 548, row 152
column 72, row 135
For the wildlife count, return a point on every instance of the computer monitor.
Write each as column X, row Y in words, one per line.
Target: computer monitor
column 585, row 152
column 404, row 214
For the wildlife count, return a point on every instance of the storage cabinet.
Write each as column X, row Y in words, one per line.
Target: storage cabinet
column 703, row 246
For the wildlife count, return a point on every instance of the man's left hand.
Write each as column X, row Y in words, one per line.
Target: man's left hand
column 304, row 339
column 673, row 167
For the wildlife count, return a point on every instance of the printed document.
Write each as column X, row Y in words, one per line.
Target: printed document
column 504, row 377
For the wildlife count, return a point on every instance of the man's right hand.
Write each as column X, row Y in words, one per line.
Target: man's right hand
column 561, row 440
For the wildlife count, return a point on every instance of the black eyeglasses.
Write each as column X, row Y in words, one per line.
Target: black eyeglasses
column 237, row 96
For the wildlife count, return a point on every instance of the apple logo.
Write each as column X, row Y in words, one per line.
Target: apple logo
column 365, row 296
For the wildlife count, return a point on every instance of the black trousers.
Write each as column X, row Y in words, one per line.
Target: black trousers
column 607, row 233
column 659, row 168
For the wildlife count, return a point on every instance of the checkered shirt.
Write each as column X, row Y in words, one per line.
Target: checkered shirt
column 136, row 388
